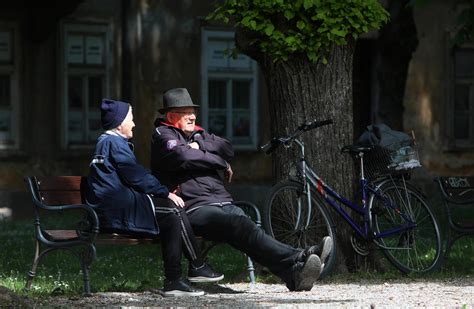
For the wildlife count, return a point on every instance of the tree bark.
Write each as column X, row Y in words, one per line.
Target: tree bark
column 298, row 91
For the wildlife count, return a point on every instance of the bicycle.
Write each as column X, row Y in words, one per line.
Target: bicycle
column 392, row 213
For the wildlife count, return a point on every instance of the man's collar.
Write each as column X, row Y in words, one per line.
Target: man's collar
column 196, row 127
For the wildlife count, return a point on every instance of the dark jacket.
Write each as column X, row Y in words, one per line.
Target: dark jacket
column 193, row 173
column 118, row 188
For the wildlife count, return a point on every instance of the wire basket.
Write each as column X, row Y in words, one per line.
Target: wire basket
column 396, row 158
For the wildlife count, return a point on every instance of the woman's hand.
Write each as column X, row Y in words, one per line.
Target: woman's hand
column 176, row 200
column 229, row 172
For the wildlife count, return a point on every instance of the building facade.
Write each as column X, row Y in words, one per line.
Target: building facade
column 58, row 59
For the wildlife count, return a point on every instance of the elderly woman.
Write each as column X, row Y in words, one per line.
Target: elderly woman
column 130, row 200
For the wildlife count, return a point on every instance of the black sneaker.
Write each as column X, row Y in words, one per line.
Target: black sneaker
column 203, row 273
column 306, row 273
column 322, row 250
column 179, row 287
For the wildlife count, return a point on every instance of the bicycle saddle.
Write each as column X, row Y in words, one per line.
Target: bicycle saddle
column 356, row 149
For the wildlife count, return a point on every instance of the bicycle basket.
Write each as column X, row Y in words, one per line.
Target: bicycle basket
column 398, row 157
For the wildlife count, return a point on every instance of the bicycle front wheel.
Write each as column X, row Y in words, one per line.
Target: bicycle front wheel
column 413, row 250
column 285, row 218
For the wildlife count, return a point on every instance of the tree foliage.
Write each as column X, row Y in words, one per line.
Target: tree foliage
column 282, row 28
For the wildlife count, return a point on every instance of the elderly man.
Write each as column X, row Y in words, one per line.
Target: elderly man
column 129, row 199
column 190, row 162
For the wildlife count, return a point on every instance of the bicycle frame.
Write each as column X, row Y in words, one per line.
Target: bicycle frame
column 310, row 178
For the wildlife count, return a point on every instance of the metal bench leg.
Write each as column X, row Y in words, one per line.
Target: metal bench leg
column 87, row 256
column 251, row 270
column 32, row 272
column 86, row 277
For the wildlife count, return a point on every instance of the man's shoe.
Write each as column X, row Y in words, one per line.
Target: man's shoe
column 203, row 273
column 306, row 273
column 179, row 287
column 322, row 250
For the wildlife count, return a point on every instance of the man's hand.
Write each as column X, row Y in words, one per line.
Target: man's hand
column 229, row 173
column 194, row 145
column 176, row 199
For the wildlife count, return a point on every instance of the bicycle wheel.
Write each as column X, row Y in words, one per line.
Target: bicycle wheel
column 280, row 219
column 414, row 250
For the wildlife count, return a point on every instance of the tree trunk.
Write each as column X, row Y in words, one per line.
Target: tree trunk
column 299, row 90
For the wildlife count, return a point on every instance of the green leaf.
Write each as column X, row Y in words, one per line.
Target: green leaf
column 307, row 4
column 269, row 29
column 245, row 21
column 289, row 14
column 311, row 56
column 341, row 33
column 300, row 24
column 290, row 40
column 253, row 24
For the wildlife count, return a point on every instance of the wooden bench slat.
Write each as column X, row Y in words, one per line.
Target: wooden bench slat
column 103, row 238
column 61, row 197
column 60, row 183
column 62, row 234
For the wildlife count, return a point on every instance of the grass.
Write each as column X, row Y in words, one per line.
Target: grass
column 116, row 268
column 138, row 268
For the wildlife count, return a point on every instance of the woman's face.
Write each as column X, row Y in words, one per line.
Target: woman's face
column 127, row 125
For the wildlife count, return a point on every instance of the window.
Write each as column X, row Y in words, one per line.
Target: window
column 462, row 117
column 229, row 90
column 85, row 82
column 9, row 94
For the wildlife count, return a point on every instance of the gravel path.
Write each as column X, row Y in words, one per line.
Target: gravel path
column 407, row 293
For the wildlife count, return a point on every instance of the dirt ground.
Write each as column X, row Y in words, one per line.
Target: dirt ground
column 406, row 293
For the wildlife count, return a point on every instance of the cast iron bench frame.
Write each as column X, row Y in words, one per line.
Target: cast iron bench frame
column 65, row 193
column 457, row 191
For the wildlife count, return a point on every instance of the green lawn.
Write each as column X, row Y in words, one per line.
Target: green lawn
column 116, row 268
column 137, row 268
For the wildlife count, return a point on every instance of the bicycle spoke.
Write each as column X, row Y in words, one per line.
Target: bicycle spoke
column 417, row 249
column 286, row 214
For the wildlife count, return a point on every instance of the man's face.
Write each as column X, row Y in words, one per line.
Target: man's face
column 127, row 125
column 183, row 118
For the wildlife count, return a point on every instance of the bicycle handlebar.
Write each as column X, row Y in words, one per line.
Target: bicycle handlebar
column 286, row 140
column 309, row 125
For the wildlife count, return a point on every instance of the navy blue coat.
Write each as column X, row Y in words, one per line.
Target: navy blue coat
column 195, row 174
column 118, row 188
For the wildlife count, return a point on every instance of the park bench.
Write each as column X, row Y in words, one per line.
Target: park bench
column 65, row 194
column 458, row 198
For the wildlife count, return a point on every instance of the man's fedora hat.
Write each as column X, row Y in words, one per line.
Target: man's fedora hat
column 175, row 98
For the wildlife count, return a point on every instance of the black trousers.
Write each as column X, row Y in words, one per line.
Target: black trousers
column 176, row 237
column 229, row 224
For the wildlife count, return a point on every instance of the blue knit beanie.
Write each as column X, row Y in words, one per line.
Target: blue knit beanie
column 113, row 113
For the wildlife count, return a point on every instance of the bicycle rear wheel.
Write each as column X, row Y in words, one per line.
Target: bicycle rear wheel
column 414, row 250
column 285, row 204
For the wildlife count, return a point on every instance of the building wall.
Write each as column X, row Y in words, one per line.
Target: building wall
column 427, row 92
column 155, row 46
column 40, row 151
column 166, row 54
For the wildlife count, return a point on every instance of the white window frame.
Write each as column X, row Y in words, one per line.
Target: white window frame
column 229, row 75
column 65, row 28
column 13, row 69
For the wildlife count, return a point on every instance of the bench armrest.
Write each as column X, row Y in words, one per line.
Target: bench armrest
column 87, row 228
column 251, row 210
column 462, row 194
